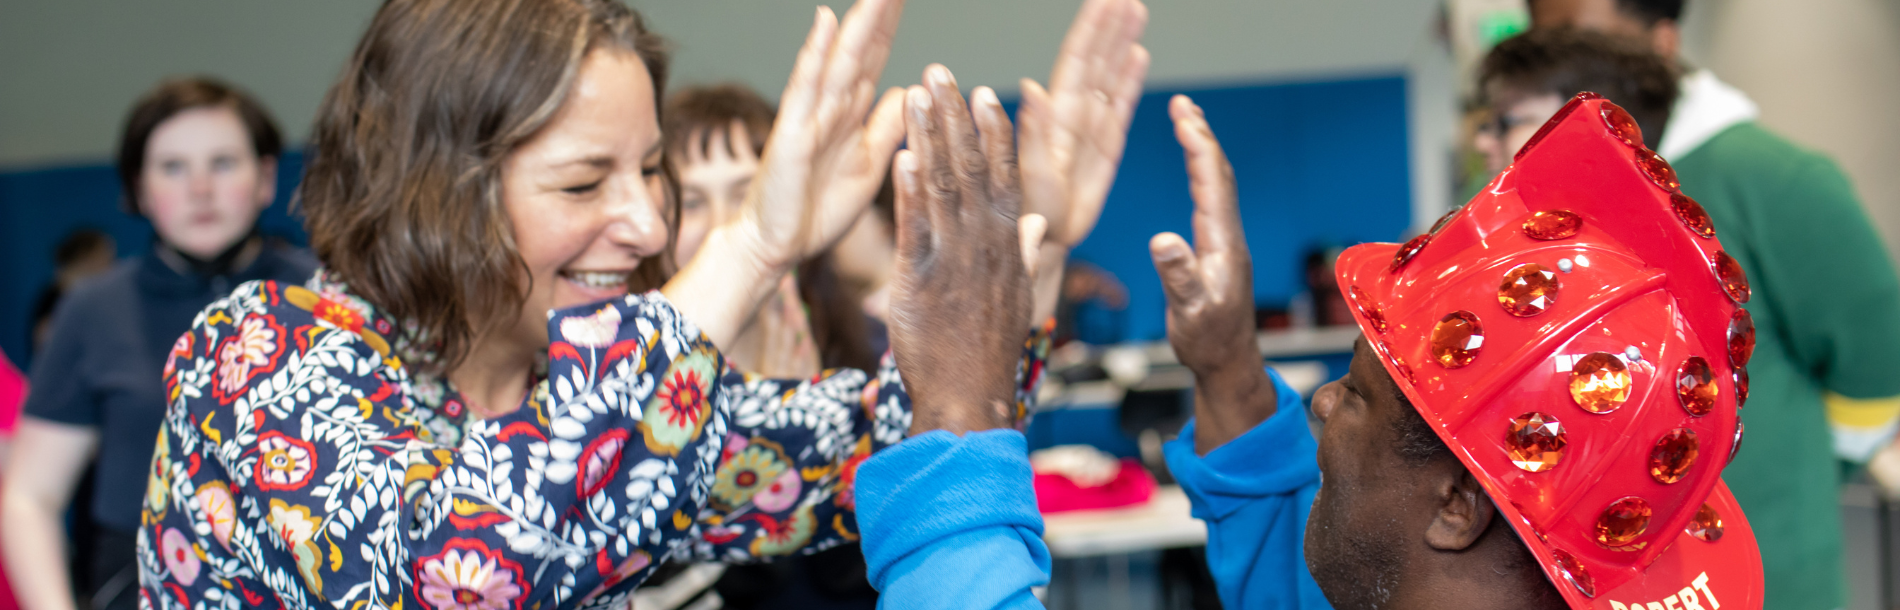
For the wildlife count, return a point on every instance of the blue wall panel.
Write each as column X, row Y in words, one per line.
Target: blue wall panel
column 1318, row 164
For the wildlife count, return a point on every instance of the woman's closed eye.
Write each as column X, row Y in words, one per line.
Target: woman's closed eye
column 583, row 189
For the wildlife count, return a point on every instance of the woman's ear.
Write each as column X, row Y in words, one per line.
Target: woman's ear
column 266, row 181
column 1465, row 511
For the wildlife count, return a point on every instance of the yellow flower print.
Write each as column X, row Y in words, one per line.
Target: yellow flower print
column 159, row 482
column 298, row 530
column 746, row 473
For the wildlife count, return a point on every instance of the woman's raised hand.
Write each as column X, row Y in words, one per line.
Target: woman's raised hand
column 826, row 158
column 960, row 306
column 1073, row 133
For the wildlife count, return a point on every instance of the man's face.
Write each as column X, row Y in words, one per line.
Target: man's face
column 1371, row 506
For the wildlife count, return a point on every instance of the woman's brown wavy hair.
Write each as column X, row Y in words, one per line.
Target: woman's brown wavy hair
column 402, row 192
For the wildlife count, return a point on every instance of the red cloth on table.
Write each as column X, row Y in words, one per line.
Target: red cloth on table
column 1132, row 485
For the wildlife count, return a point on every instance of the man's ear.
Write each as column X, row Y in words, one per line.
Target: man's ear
column 1666, row 37
column 1465, row 511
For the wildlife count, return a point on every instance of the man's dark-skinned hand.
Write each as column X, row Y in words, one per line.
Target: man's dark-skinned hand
column 962, row 300
column 1209, row 290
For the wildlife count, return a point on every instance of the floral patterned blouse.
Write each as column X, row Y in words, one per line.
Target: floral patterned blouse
column 302, row 465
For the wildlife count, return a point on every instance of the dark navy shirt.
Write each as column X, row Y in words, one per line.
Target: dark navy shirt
column 101, row 364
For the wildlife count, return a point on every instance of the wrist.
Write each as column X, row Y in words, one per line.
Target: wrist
column 1234, row 385
column 751, row 248
column 974, row 415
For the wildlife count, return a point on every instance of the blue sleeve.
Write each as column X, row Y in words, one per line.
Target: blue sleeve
column 1255, row 493
column 951, row 522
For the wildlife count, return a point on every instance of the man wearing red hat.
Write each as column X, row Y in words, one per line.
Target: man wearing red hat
column 1538, row 416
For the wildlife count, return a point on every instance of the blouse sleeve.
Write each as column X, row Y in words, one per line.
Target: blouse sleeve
column 632, row 449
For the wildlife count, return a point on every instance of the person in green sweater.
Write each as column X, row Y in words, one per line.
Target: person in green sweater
column 1826, row 303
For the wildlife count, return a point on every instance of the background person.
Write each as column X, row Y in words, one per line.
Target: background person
column 82, row 254
column 715, row 136
column 1828, row 340
column 198, row 159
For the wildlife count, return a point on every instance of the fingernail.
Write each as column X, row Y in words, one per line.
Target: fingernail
column 919, row 99
column 940, row 75
column 986, row 96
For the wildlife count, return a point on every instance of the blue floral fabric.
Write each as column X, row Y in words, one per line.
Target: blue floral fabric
column 303, row 465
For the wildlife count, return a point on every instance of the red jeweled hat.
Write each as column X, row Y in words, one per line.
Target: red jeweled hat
column 1576, row 335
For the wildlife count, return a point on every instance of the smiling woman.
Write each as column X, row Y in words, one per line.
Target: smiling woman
column 483, row 401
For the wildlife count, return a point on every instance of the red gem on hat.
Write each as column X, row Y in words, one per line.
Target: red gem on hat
column 1622, row 125
column 1706, row 526
column 1442, row 221
column 1692, row 215
column 1535, row 442
column 1456, row 339
column 1737, row 447
column 1695, row 385
column 1741, row 337
column 1672, row 456
column 1599, row 382
column 1367, row 308
column 1623, row 522
column 1574, row 573
column 1528, row 290
column 1734, row 280
column 1741, row 386
column 1552, row 224
column 1657, row 169
column 1409, row 250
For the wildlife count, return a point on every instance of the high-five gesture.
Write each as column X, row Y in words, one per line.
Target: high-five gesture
column 827, row 156
column 1210, row 292
column 961, row 302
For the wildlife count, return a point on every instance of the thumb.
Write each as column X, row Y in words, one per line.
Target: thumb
column 1031, row 227
column 1178, row 267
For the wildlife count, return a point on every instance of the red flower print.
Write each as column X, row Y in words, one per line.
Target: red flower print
column 467, row 575
column 250, row 352
column 283, row 462
column 180, row 349
column 338, row 314
column 684, row 394
column 600, row 459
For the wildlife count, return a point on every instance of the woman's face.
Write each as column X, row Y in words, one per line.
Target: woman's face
column 202, row 185
column 585, row 194
column 1514, row 120
column 713, row 183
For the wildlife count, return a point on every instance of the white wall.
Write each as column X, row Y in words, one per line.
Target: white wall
column 70, row 68
column 1826, row 74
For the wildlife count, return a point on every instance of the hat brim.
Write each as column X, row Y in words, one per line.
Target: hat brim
column 1728, row 573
